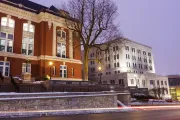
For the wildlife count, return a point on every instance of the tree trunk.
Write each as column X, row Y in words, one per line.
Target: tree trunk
column 85, row 64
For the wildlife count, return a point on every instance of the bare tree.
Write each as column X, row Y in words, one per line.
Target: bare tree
column 94, row 25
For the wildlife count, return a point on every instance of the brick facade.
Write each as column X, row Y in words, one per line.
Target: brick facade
column 43, row 50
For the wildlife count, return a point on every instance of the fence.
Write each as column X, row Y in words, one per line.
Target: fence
column 62, row 86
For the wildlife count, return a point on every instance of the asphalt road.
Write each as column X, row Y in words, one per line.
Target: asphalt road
column 141, row 115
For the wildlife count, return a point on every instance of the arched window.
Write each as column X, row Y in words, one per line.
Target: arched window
column 61, row 43
column 28, row 39
column 7, row 34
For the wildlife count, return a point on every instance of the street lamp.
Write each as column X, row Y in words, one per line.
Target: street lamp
column 50, row 64
column 100, row 69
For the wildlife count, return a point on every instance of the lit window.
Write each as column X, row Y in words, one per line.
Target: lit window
column 61, row 50
column 4, row 68
column 25, row 26
column 28, row 39
column 27, row 46
column 4, row 21
column 6, row 42
column 63, row 71
column 26, row 67
column 28, row 27
column 61, row 44
column 8, row 22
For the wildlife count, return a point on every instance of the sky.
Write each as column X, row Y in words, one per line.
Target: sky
column 155, row 23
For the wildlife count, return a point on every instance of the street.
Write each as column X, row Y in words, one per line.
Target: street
column 142, row 115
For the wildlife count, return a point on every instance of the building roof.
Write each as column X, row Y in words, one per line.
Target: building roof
column 136, row 42
column 173, row 76
column 36, row 8
column 121, row 40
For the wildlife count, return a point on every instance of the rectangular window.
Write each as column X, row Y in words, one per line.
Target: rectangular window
column 121, row 81
column 144, row 52
column 149, row 54
column 118, row 64
column 26, row 67
column 158, row 82
column 63, row 71
column 27, row 46
column 150, row 61
column 104, row 82
column 127, row 64
column 116, row 47
column 117, row 56
column 115, row 72
column 133, row 50
column 114, row 64
column 5, row 68
column 132, row 81
column 139, row 51
column 6, row 42
column 73, row 72
column 109, row 65
column 61, row 50
column 143, row 83
column 161, row 82
column 54, row 71
column 151, row 82
column 114, row 57
column 165, row 82
column 127, row 48
column 112, row 82
column 108, row 58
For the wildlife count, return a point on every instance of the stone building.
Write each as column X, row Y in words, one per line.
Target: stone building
column 30, row 31
column 126, row 63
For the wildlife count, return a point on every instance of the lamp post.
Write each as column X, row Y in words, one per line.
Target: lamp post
column 50, row 64
column 100, row 69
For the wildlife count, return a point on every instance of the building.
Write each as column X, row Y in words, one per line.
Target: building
column 127, row 63
column 174, row 84
column 30, row 31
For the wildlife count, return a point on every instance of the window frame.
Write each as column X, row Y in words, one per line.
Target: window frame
column 26, row 65
column 4, row 67
column 63, row 71
column 7, row 41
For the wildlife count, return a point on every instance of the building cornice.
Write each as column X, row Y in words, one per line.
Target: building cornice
column 23, row 14
column 54, row 58
column 42, row 57
column 70, row 79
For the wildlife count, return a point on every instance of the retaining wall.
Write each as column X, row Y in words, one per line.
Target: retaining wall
column 57, row 101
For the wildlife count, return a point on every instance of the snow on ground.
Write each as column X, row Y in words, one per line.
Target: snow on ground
column 155, row 103
column 61, row 112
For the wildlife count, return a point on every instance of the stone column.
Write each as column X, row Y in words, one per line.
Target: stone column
column 71, row 44
column 54, row 40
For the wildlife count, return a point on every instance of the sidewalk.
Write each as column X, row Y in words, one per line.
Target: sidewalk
column 17, row 114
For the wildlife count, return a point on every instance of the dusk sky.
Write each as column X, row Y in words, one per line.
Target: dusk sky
column 155, row 23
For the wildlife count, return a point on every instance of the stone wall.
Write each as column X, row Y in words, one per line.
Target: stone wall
column 63, row 102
